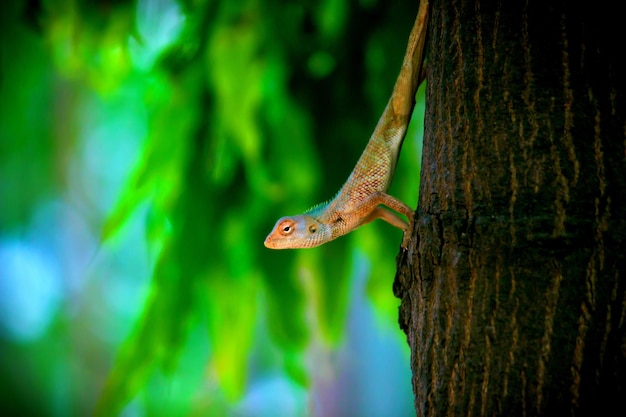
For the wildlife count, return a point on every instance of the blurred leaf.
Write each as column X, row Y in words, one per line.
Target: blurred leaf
column 332, row 15
column 255, row 110
column 158, row 175
column 330, row 267
column 90, row 43
column 27, row 148
column 155, row 342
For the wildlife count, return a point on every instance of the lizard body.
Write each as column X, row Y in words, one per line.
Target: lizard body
column 360, row 199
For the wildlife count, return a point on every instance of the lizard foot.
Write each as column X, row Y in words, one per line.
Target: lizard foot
column 408, row 233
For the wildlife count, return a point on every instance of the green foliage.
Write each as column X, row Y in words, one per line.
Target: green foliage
column 25, row 120
column 254, row 110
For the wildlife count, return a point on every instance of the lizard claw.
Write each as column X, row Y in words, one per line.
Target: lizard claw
column 405, row 241
column 408, row 233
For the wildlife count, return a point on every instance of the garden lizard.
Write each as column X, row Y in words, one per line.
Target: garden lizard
column 360, row 199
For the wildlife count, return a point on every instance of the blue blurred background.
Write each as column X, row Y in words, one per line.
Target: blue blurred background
column 146, row 149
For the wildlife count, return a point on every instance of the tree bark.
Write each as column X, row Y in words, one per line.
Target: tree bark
column 513, row 289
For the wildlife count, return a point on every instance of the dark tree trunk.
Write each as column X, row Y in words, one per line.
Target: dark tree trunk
column 514, row 287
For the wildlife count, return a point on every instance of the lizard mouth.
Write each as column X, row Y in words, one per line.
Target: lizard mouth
column 270, row 243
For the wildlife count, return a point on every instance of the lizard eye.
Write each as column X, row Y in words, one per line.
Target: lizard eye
column 312, row 228
column 286, row 228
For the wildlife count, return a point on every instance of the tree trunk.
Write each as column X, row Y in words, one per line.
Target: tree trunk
column 513, row 289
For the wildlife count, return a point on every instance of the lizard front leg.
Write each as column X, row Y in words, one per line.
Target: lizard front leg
column 380, row 198
column 388, row 216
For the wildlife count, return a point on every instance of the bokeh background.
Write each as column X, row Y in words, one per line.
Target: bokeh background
column 146, row 149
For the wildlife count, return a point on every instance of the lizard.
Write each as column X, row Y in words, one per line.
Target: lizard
column 360, row 199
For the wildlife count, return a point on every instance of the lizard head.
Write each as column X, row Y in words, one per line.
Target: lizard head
column 293, row 232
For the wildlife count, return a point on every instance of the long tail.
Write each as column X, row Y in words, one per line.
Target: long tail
column 411, row 73
column 396, row 115
column 375, row 168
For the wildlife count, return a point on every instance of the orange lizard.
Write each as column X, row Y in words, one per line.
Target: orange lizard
column 360, row 199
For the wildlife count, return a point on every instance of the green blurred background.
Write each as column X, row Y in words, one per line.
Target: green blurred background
column 146, row 149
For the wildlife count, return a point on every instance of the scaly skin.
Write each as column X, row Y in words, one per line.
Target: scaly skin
column 359, row 200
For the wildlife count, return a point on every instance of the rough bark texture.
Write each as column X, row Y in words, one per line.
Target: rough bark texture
column 513, row 289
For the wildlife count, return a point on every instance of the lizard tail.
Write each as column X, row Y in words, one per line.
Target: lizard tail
column 410, row 77
column 387, row 138
column 375, row 168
